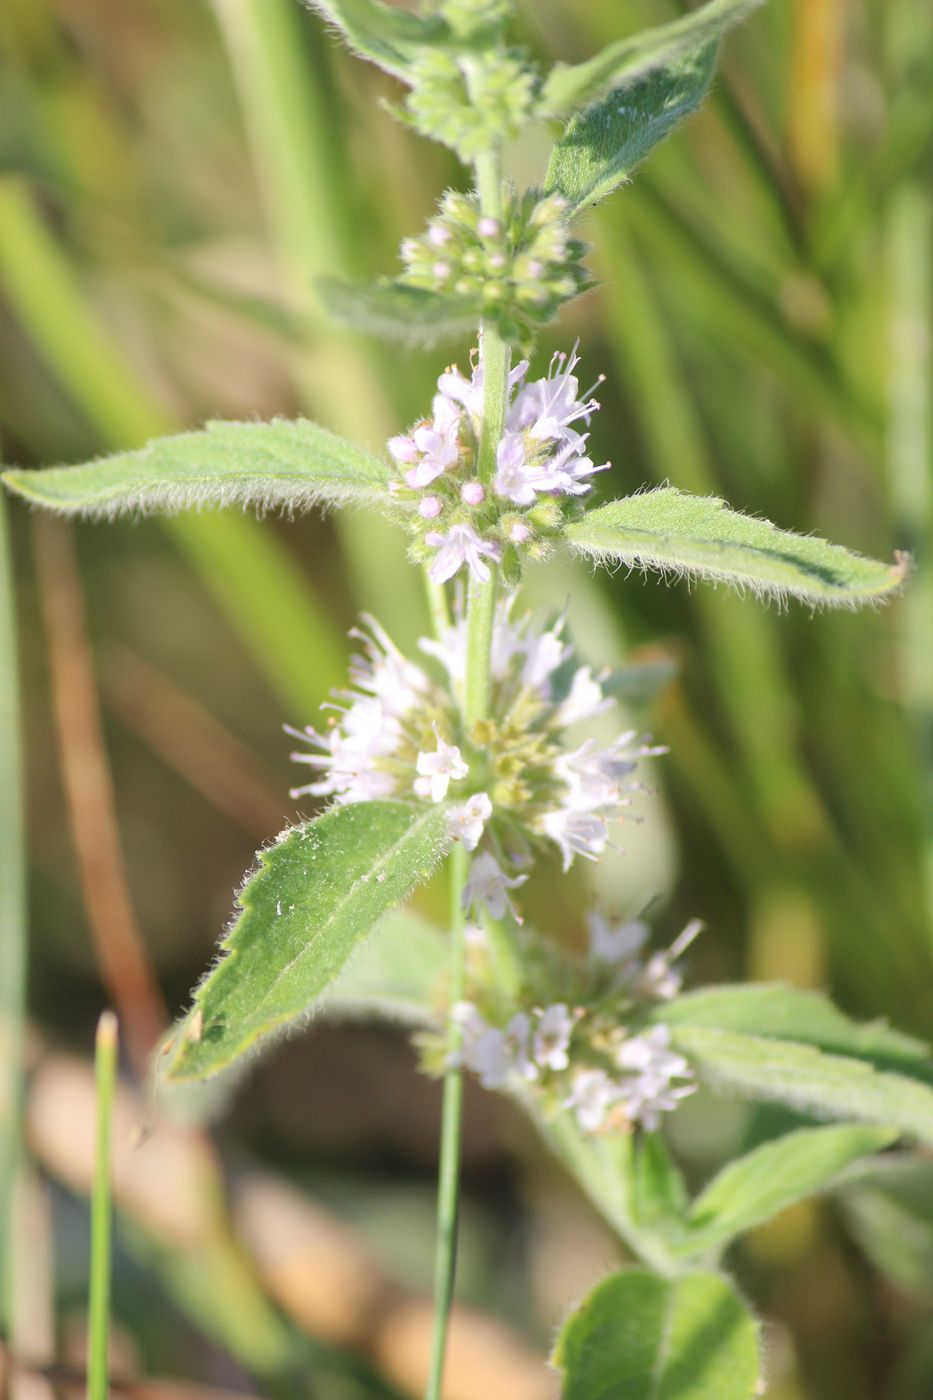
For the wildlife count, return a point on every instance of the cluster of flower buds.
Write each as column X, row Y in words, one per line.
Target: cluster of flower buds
column 580, row 1058
column 469, row 18
column 474, row 118
column 518, row 270
column 514, row 782
column 542, row 468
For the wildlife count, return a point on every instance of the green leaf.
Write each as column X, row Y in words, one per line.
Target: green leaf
column 699, row 537
column 641, row 1337
column 752, row 1189
column 640, row 681
column 890, row 1211
column 659, row 1196
column 601, row 146
column 571, row 86
column 605, row 1165
column 772, row 1009
column 290, row 465
column 804, row 1078
column 395, row 311
column 394, row 976
column 385, row 35
column 317, row 892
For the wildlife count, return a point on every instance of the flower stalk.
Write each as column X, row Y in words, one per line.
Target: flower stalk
column 481, row 612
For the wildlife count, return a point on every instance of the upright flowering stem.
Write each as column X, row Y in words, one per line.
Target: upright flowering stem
column 448, row 1184
column 481, row 609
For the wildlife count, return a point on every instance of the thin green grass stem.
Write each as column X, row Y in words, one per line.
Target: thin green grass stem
column 98, row 1384
column 13, row 946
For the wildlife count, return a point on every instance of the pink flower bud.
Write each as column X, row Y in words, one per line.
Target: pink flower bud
column 403, row 448
column 498, row 261
column 488, row 227
column 441, row 270
column 430, row 507
column 519, row 532
column 438, row 235
column 473, row 493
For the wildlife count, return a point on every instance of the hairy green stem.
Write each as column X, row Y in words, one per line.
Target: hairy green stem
column 496, row 361
column 448, row 1185
column 481, row 611
column 438, row 606
column 98, row 1386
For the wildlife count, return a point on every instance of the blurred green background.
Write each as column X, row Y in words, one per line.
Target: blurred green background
column 175, row 174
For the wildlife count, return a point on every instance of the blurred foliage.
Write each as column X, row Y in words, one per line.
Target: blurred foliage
column 174, row 175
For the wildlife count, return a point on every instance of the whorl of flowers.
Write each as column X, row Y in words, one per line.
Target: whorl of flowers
column 583, row 1058
column 542, row 468
column 515, row 782
column 470, row 120
column 518, row 269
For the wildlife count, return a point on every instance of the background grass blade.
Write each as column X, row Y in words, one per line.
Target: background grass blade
column 98, row 1370
column 13, row 936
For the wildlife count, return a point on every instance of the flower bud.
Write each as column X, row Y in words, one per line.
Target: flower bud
column 430, row 507
column 473, row 493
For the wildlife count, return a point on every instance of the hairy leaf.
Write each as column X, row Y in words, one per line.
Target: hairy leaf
column 890, row 1209
column 602, row 145
column 284, row 464
column 807, row 1079
column 317, row 892
column 752, row 1189
column 569, row 87
column 604, row 1165
column 659, row 1195
column 384, row 34
column 394, row 976
column 771, row 1009
column 395, row 311
column 640, row 681
column 638, row 1336
column 698, row 536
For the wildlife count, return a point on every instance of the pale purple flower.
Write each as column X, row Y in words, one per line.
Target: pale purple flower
column 467, row 823
column 461, row 545
column 403, row 449
column 544, row 653
column 353, row 755
column 547, row 407
column 577, row 833
column 591, row 1096
column 659, row 980
column 497, row 1056
column 488, row 888
column 437, row 770
column 437, row 443
column 584, row 700
column 614, row 944
column 597, row 776
column 552, row 1036
column 651, row 1069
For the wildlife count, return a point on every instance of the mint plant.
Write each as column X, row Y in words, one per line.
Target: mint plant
column 478, row 753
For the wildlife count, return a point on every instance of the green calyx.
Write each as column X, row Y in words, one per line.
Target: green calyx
column 471, row 104
column 521, row 268
column 476, row 20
